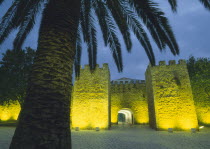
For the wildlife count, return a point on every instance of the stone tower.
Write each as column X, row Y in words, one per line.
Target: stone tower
column 91, row 100
column 170, row 97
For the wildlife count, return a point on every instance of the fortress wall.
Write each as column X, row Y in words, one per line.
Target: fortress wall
column 168, row 96
column 129, row 96
column 9, row 110
column 90, row 105
column 172, row 96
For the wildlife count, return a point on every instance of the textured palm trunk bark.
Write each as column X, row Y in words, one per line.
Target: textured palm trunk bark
column 44, row 121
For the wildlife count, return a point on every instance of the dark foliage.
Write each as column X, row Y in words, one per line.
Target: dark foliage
column 198, row 68
column 14, row 71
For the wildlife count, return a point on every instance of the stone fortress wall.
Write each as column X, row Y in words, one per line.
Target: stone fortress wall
column 164, row 101
column 90, row 105
column 170, row 96
column 130, row 96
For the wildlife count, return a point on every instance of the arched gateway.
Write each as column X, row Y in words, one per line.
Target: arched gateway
column 164, row 100
column 125, row 117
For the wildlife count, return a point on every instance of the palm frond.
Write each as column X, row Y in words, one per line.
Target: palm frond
column 109, row 32
column 169, row 36
column 78, row 53
column 9, row 22
column 116, row 11
column 84, row 17
column 92, row 43
column 101, row 14
column 26, row 25
column 138, row 30
column 173, row 4
column 149, row 20
column 1, row 1
column 156, row 23
column 89, row 32
column 206, row 3
column 15, row 16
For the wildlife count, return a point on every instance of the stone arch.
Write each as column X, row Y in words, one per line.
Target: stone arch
column 125, row 116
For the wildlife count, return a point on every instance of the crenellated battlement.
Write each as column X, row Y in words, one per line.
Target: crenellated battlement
column 127, row 87
column 99, row 72
column 172, row 62
column 87, row 67
column 128, row 82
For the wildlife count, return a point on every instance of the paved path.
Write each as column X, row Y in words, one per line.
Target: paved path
column 139, row 137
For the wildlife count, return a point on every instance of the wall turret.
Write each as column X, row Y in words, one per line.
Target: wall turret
column 91, row 99
column 170, row 97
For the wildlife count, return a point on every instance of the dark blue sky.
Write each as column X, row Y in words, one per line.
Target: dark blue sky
column 190, row 25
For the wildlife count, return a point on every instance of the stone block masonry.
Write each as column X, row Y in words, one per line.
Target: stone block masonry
column 129, row 96
column 91, row 100
column 164, row 101
column 170, row 97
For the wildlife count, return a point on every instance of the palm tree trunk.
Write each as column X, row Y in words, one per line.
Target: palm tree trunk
column 44, row 121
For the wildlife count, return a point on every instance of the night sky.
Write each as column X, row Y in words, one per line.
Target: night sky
column 190, row 25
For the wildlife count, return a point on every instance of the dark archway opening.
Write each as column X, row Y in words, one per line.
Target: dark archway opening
column 125, row 117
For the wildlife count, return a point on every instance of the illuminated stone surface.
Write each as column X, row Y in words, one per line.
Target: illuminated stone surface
column 170, row 97
column 91, row 101
column 9, row 110
column 96, row 102
column 141, row 137
column 129, row 96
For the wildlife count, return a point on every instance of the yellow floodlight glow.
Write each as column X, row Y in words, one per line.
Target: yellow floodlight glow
column 9, row 111
column 205, row 118
column 165, row 124
column 187, row 124
column 201, row 127
column 91, row 115
column 5, row 116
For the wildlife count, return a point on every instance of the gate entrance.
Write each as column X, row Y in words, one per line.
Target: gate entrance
column 125, row 117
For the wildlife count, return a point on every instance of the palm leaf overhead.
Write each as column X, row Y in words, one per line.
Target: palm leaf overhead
column 108, row 29
column 8, row 22
column 117, row 14
column 173, row 4
column 157, row 24
column 125, row 15
column 27, row 24
column 206, row 3
column 78, row 52
column 1, row 1
column 137, row 28
column 21, row 14
column 89, row 30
